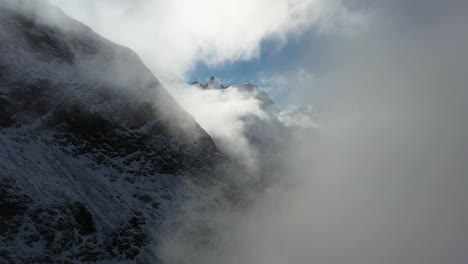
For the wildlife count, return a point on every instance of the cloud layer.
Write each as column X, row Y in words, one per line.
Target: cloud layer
column 172, row 36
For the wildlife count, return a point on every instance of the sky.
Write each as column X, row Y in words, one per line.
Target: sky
column 274, row 59
column 235, row 41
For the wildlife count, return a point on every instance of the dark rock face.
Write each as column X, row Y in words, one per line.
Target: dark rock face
column 84, row 218
column 13, row 206
column 92, row 147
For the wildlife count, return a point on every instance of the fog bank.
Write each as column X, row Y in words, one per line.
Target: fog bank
column 383, row 179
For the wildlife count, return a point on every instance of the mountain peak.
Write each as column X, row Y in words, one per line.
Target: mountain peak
column 213, row 83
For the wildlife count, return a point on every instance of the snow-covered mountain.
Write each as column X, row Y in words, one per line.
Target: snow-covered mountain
column 92, row 147
column 251, row 90
column 213, row 83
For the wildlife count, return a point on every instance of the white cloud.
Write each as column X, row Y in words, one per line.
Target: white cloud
column 172, row 35
column 288, row 84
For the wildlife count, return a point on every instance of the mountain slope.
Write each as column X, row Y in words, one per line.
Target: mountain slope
column 92, row 147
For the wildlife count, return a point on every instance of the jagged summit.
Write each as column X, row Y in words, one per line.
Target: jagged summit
column 212, row 84
column 247, row 88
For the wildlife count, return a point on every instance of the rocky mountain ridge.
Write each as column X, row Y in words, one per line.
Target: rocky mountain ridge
column 92, row 147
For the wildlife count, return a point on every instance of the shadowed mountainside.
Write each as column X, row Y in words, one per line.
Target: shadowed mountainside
column 92, row 147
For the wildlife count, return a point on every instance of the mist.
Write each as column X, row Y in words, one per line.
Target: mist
column 383, row 178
